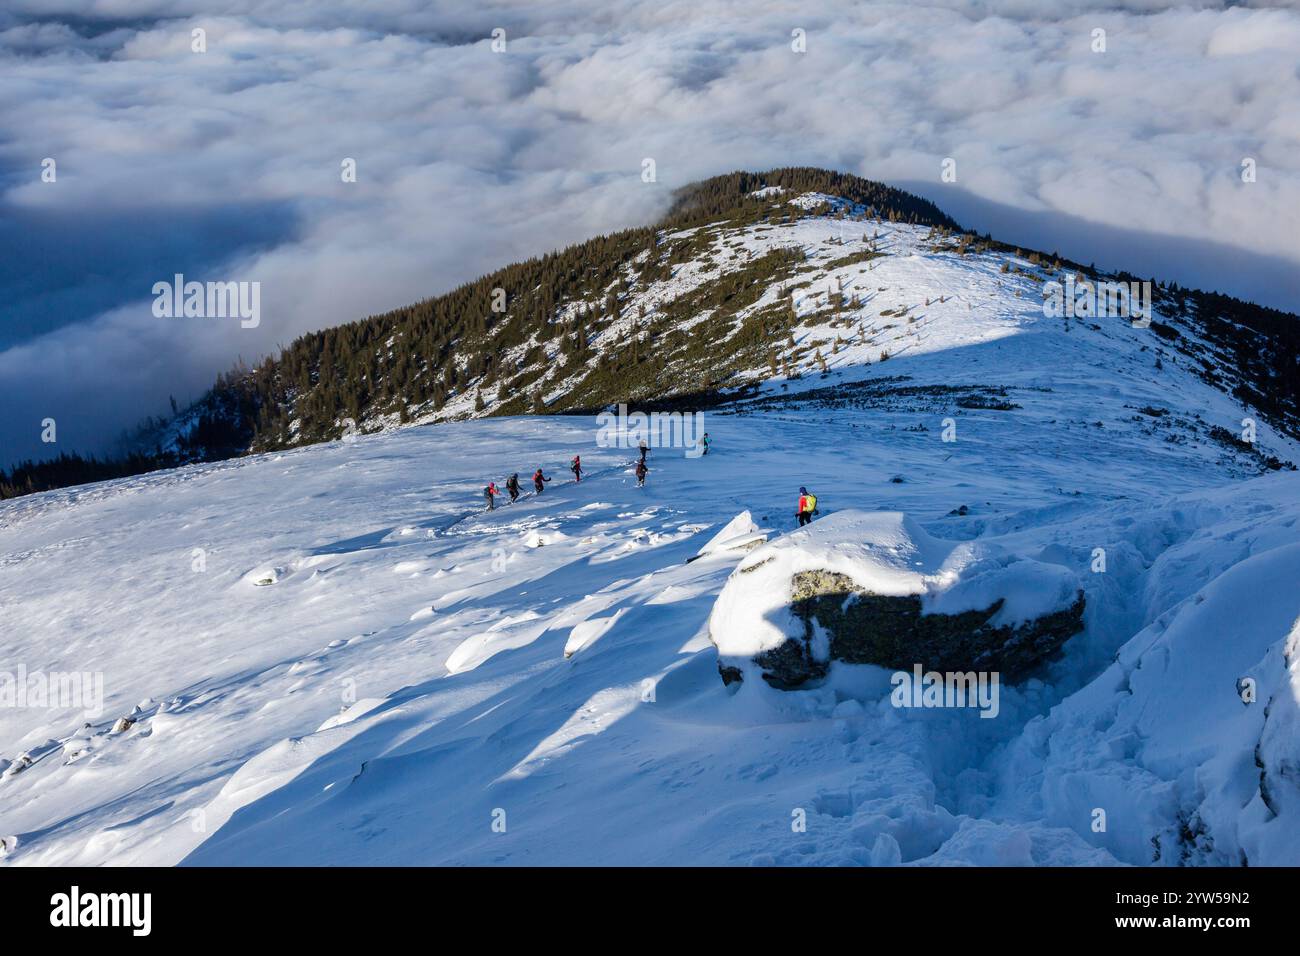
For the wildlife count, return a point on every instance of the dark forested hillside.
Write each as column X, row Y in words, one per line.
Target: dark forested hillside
column 412, row 361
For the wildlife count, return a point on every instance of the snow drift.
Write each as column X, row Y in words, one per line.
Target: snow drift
column 1188, row 746
column 739, row 535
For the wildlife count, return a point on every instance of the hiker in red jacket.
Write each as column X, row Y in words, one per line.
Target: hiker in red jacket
column 538, row 479
column 575, row 466
column 807, row 506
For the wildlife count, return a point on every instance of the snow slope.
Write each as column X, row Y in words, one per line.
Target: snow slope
column 331, row 655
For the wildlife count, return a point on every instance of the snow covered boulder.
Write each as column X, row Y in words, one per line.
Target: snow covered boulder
column 874, row 588
column 739, row 535
column 264, row 577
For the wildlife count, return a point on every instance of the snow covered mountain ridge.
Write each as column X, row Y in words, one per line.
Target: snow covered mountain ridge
column 776, row 277
column 332, row 654
column 741, row 286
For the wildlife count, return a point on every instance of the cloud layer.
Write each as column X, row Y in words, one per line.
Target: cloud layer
column 225, row 165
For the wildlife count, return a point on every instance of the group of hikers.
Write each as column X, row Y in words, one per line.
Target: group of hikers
column 807, row 502
column 491, row 492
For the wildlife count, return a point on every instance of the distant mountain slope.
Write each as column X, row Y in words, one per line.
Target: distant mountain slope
column 750, row 278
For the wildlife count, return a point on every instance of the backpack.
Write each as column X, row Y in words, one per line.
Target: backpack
column 812, row 502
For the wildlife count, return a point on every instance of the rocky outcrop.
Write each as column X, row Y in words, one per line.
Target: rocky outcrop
column 891, row 631
column 875, row 588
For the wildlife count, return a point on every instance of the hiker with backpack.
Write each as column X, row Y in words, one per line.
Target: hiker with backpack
column 575, row 466
column 807, row 506
column 489, row 493
column 512, row 486
column 641, row 472
column 538, row 478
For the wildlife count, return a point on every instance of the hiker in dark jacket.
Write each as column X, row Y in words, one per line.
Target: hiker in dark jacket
column 512, row 486
column 538, row 478
column 490, row 493
column 641, row 472
column 575, row 466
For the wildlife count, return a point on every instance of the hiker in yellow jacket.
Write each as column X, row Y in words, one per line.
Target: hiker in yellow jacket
column 807, row 506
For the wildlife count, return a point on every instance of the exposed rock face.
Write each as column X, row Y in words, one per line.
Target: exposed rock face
column 891, row 631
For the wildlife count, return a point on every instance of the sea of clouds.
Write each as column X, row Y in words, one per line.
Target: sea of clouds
column 225, row 165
